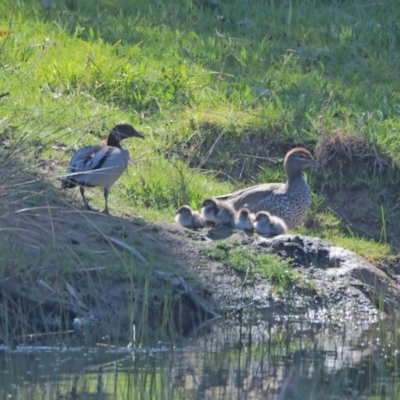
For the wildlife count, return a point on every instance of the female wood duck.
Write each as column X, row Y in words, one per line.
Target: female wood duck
column 100, row 165
column 289, row 201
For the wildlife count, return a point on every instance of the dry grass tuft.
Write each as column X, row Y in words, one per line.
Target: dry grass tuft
column 339, row 147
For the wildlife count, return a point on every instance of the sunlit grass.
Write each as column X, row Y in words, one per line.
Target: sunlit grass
column 251, row 265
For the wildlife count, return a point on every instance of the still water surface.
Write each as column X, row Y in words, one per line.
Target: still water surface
column 289, row 361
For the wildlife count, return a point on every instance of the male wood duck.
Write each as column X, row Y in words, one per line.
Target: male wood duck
column 289, row 201
column 100, row 165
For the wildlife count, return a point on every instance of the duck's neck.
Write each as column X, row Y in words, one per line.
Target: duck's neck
column 294, row 177
column 113, row 141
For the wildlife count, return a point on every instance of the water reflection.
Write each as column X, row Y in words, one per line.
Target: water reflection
column 292, row 361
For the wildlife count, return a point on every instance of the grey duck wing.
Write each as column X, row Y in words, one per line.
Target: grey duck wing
column 239, row 192
column 249, row 197
column 84, row 160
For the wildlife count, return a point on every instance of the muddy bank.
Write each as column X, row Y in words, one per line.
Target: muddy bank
column 96, row 276
column 333, row 282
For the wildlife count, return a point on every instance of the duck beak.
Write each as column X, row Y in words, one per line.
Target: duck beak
column 314, row 164
column 137, row 134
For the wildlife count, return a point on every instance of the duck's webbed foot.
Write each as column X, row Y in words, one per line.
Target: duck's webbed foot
column 87, row 206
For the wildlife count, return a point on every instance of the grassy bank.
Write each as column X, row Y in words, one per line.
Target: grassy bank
column 221, row 92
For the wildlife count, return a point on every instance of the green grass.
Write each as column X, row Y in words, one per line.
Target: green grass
column 219, row 101
column 253, row 265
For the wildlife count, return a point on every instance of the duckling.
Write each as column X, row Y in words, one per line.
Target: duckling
column 100, row 165
column 244, row 220
column 185, row 216
column 267, row 224
column 289, row 201
column 219, row 212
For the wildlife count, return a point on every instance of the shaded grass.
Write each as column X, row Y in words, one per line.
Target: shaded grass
column 57, row 252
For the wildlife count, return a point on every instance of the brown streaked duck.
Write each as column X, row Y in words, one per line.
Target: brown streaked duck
column 100, row 165
column 188, row 218
column 267, row 224
column 289, row 201
column 219, row 212
column 244, row 220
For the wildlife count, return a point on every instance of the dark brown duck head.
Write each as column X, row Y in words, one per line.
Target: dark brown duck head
column 121, row 132
column 296, row 160
column 244, row 213
column 262, row 216
column 209, row 204
column 210, row 210
column 185, row 211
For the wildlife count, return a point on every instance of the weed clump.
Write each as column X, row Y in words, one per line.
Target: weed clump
column 253, row 265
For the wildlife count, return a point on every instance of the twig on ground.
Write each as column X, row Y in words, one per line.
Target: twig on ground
column 127, row 248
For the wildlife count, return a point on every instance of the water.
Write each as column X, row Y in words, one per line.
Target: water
column 291, row 360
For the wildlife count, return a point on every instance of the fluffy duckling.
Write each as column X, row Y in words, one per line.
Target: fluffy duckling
column 244, row 220
column 219, row 212
column 185, row 216
column 100, row 165
column 289, row 201
column 267, row 224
